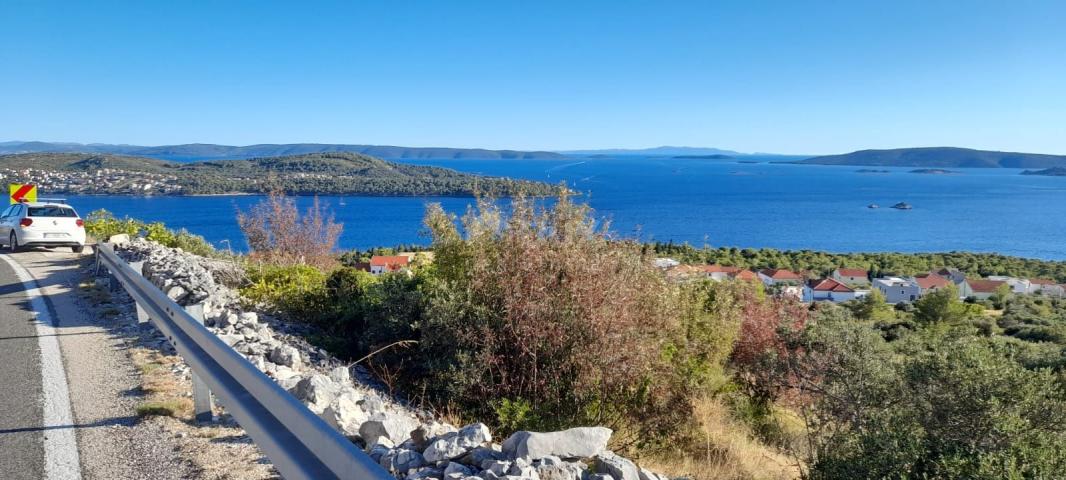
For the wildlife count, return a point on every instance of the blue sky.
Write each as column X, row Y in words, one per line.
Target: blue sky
column 787, row 77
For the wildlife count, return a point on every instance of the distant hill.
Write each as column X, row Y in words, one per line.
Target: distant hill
column 329, row 173
column 657, row 151
column 205, row 151
column 716, row 156
column 1050, row 172
column 940, row 157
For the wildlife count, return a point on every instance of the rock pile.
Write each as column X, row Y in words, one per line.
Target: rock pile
column 407, row 442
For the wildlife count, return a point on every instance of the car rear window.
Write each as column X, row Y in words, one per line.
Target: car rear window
column 52, row 212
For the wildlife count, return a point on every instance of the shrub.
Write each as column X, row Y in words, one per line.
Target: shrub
column 102, row 224
column 297, row 291
column 277, row 233
column 941, row 306
column 763, row 339
column 543, row 308
column 951, row 406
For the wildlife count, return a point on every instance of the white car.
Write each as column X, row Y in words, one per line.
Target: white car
column 42, row 224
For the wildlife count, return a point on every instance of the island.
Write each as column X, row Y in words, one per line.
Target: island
column 716, row 156
column 872, row 170
column 1049, row 172
column 939, row 157
column 932, row 171
column 207, row 151
column 338, row 173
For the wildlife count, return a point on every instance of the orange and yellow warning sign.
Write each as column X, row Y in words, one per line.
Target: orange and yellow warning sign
column 22, row 192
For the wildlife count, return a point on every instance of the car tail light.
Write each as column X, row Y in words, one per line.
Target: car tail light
column 80, row 223
column 25, row 222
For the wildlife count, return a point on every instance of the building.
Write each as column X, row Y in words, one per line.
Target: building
column 931, row 282
column 828, row 290
column 745, row 274
column 776, row 276
column 855, row 277
column 719, row 272
column 1047, row 287
column 1017, row 285
column 381, row 263
column 982, row 289
column 955, row 275
column 896, row 289
column 665, row 263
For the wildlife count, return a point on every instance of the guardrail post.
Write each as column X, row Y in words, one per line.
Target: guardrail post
column 202, row 402
column 142, row 314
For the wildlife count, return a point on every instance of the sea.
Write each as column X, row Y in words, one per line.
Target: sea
column 750, row 202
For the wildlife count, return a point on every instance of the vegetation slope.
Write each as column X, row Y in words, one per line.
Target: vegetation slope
column 940, row 157
column 315, row 173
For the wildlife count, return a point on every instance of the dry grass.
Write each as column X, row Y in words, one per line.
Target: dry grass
column 95, row 293
column 165, row 393
column 169, row 408
column 730, row 452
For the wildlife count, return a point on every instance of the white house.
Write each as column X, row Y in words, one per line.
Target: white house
column 855, row 277
column 896, row 289
column 665, row 263
column 775, row 276
column 1047, row 287
column 955, row 275
column 827, row 290
column 1017, row 285
column 931, row 282
column 381, row 263
column 982, row 289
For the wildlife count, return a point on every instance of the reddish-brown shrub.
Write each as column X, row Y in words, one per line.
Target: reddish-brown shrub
column 277, row 233
column 763, row 341
column 540, row 318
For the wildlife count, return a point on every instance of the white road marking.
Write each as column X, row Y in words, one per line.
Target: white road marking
column 60, row 445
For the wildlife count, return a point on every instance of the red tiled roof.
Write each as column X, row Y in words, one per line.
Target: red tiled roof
column 715, row 268
column 931, row 280
column 1041, row 281
column 851, row 272
column 829, row 285
column 745, row 275
column 390, row 262
column 781, row 274
column 985, row 286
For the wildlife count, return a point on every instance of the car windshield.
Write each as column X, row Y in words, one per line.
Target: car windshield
column 52, row 212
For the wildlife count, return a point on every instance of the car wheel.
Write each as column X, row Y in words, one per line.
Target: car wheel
column 13, row 242
column 77, row 248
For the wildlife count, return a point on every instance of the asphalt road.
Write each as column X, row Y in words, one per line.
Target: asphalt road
column 68, row 390
column 21, row 397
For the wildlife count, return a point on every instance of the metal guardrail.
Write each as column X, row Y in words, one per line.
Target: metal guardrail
column 299, row 443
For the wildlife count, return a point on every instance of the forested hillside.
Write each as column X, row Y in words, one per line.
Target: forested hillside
column 878, row 263
column 941, row 157
column 315, row 173
column 205, row 151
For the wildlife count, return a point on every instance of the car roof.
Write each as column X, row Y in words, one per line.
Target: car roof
column 46, row 204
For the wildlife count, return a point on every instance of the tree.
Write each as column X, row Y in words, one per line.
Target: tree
column 1003, row 294
column 950, row 407
column 940, row 306
column 872, row 307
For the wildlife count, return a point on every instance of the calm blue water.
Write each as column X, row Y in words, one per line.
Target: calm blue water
column 714, row 202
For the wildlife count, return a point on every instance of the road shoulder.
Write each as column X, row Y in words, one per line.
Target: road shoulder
column 105, row 388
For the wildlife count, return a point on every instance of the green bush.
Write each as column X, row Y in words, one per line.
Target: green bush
column 944, row 405
column 102, row 224
column 297, row 291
